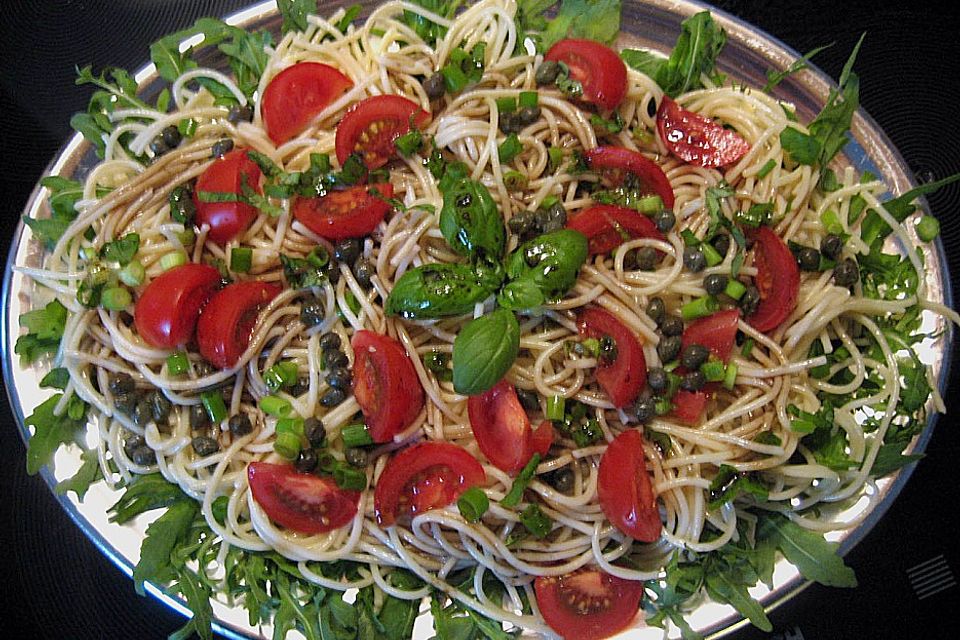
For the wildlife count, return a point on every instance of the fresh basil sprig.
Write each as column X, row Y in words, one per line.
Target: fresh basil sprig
column 469, row 220
column 543, row 269
column 484, row 350
column 439, row 290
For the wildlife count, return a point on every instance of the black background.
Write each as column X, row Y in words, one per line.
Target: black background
column 57, row 585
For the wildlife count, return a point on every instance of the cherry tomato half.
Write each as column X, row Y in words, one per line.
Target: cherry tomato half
column 624, row 377
column 587, row 604
column 616, row 162
column 423, row 477
column 597, row 68
column 385, row 384
column 227, row 174
column 625, row 491
column 716, row 332
column 167, row 310
column 502, row 428
column 297, row 94
column 778, row 279
column 351, row 213
column 301, row 502
column 223, row 332
column 698, row 140
column 371, row 126
column 688, row 406
column 605, row 226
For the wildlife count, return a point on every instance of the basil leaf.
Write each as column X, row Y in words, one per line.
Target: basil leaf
column 809, row 552
column 470, row 221
column 122, row 249
column 438, row 290
column 549, row 263
column 484, row 351
column 591, row 19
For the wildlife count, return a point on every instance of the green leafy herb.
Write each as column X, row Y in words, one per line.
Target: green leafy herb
column 162, row 537
column 463, row 69
column 801, row 147
column 873, row 228
column 590, row 19
column 469, row 220
column 535, row 521
column 430, row 31
column 729, row 484
column 44, row 331
column 294, row 14
column 63, row 198
column 57, row 378
column 832, row 123
column 776, row 77
column 520, row 483
column 121, row 250
column 816, row 558
column 145, row 493
column 303, row 273
column 51, row 430
column 88, row 473
column 439, row 290
column 484, row 351
column 543, row 269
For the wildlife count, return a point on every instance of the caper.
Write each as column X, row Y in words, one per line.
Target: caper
column 240, row 425
column 121, row 383
column 846, row 273
column 347, row 250
column 333, row 273
column 645, row 408
column 171, row 136
column 671, row 325
column 562, row 479
column 198, row 417
column 529, row 400
column 142, row 412
column 356, row 456
column 205, row 445
column 721, row 243
column 363, row 270
column 523, row 224
column 315, row 432
column 665, row 220
column 656, row 310
column 669, row 348
column 658, row 379
column 693, row 381
column 306, row 461
column 646, row 258
column 158, row 147
column 221, row 147
column 831, row 245
column 608, row 349
column 547, row 72
column 159, row 406
column 750, row 300
column 809, row 259
column 335, row 360
column 332, row 397
column 300, row 387
column 528, row 115
column 339, row 378
column 132, row 442
column 630, row 262
column 143, row 456
column 435, row 86
column 715, row 283
column 694, row 259
column 239, row 114
column 694, row 356
column 509, row 123
column 552, row 218
column 312, row 312
column 330, row 341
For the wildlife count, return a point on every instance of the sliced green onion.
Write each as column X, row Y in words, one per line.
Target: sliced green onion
column 275, row 406
column 689, row 239
column 409, row 143
column 662, row 406
column 187, row 127
column 767, row 167
column 173, row 259
column 133, row 274
column 473, row 503
column 282, row 374
column 520, row 483
column 287, row 445
column 555, row 155
column 178, row 363
column 649, row 204
column 556, row 407
column 735, row 289
column 349, row 478
column 830, row 220
column 670, row 366
column 318, row 257
column 730, row 377
column 548, row 202
column 747, row 347
column 509, row 149
column 534, row 520
column 187, row 237
column 356, row 435
column 712, row 256
column 454, row 78
column 928, row 228
column 713, row 370
column 507, row 104
column 514, row 180
column 673, row 384
column 213, row 403
column 241, row 259
column 700, row 308
column 290, row 425
column 529, row 99
column 115, row 298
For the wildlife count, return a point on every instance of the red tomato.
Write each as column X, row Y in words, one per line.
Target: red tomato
column 617, row 161
column 624, row 488
column 587, row 604
column 371, row 126
column 301, row 502
column 223, row 331
column 688, row 406
column 385, row 384
column 605, row 226
column 502, row 428
column 227, row 220
column 597, row 68
column 423, row 477
column 623, row 378
column 351, row 213
column 297, row 94
column 166, row 313
column 778, row 279
column 716, row 332
column 698, row 140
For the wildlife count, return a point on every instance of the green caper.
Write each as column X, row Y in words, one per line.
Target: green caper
column 312, row 312
column 846, row 273
column 158, row 147
column 347, row 250
column 239, row 114
column 510, row 123
column 551, row 219
column 656, row 310
column 693, row 381
column 435, row 86
column 339, row 378
column 132, row 442
column 332, row 397
column 205, row 445
column 529, row 400
column 142, row 412
column 363, row 271
column 547, row 72
column 750, row 300
column 171, row 136
column 330, row 341
column 671, row 325
column 143, row 456
column 315, row 432
column 221, row 147
column 694, row 356
column 608, row 349
column 645, row 408
column 198, row 417
column 121, row 383
column 240, row 425
column 715, row 283
column 665, row 220
column 356, row 457
column 669, row 348
column 646, row 258
column 721, row 243
column 306, row 461
column 831, row 245
column 528, row 115
column 694, row 259
column 523, row 224
column 562, row 479
column 809, row 259
column 159, row 406
column 335, row 360
column 657, row 379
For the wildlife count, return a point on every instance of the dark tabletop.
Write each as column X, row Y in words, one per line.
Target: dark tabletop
column 57, row 585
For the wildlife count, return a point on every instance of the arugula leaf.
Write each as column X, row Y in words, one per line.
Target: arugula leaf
column 117, row 90
column 776, row 77
column 162, row 537
column 57, row 378
column 816, row 558
column 801, row 147
column 88, row 473
column 891, row 458
column 197, row 594
column 646, row 62
column 51, row 431
column 294, row 14
column 729, row 484
column 723, row 588
column 591, row 19
column 145, row 493
column 64, row 195
column 121, row 250
column 832, row 123
column 44, row 331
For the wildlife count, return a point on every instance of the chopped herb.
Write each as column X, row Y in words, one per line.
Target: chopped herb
column 520, row 483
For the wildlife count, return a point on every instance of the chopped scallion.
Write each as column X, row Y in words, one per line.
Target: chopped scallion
column 356, row 435
column 132, row 274
column 556, row 407
column 700, row 308
column 473, row 503
column 712, row 256
column 282, row 374
column 520, row 483
column 713, row 370
column 290, row 425
column 507, row 104
column 241, row 259
column 349, row 478
column 514, row 180
column 115, row 298
column 173, row 259
column 730, row 376
column 178, row 363
column 747, row 347
column 649, row 204
column 767, row 167
column 529, row 99
column 928, row 228
column 213, row 403
column 287, row 445
column 735, row 289
column 275, row 406
column 509, row 149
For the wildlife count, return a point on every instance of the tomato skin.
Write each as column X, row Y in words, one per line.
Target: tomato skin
column 602, row 224
column 619, row 160
column 625, row 491
column 502, row 428
column 611, row 603
column 688, row 406
column 301, row 502
column 385, row 384
column 424, row 476
column 698, row 140
column 223, row 331
column 166, row 312
column 596, row 67
column 778, row 279
column 227, row 174
column 623, row 378
column 297, row 94
column 716, row 332
column 392, row 116
column 351, row 213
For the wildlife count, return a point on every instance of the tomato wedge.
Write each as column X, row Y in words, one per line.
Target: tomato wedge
column 597, row 68
column 166, row 312
column 625, row 491
column 385, row 384
column 616, row 162
column 623, row 378
column 228, row 174
column 301, row 502
column 716, row 332
column 423, row 477
column 698, row 140
column 778, row 279
column 297, row 94
column 351, row 213
column 605, row 226
column 502, row 428
column 688, row 406
column 587, row 604
column 371, row 126
column 223, row 331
